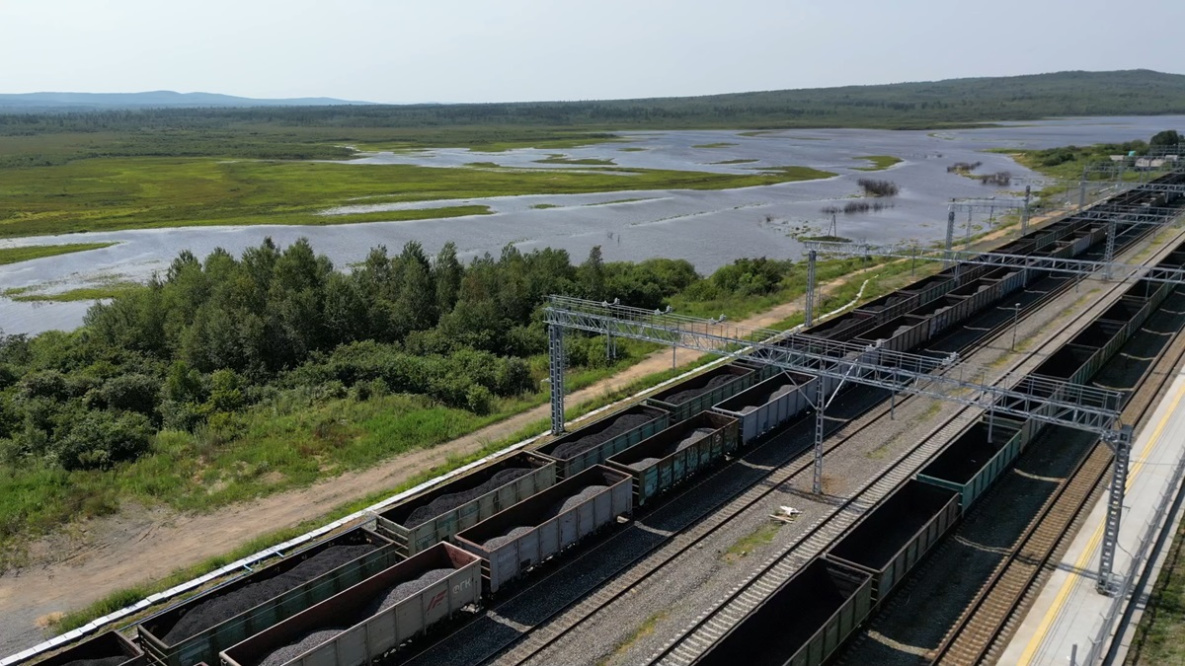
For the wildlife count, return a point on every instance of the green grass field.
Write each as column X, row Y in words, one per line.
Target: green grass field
column 136, row 193
column 560, row 158
column 13, row 255
column 112, row 290
column 879, row 162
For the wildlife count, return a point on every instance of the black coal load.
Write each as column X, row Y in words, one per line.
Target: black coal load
column 572, row 501
column 691, row 438
column 382, row 601
column 106, row 661
column 221, row 608
column 451, row 501
column 683, row 396
column 623, row 424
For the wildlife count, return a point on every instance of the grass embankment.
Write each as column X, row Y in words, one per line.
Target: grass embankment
column 615, row 201
column 1066, row 164
column 879, row 162
column 105, row 291
column 1160, row 636
column 134, row 193
column 13, row 255
column 560, row 158
column 302, row 424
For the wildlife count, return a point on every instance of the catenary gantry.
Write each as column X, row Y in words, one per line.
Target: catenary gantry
column 946, row 378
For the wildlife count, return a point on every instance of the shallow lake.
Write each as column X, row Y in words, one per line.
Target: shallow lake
column 708, row 228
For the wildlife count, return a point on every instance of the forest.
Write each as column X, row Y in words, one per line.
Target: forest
column 323, row 131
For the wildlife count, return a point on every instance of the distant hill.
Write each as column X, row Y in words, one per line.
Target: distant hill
column 51, row 101
column 900, row 105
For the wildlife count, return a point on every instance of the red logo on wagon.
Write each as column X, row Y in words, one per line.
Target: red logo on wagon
column 437, row 599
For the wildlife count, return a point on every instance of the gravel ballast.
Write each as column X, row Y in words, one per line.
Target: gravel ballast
column 448, row 502
column 223, row 607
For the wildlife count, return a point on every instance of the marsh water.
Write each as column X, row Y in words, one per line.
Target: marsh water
column 708, row 228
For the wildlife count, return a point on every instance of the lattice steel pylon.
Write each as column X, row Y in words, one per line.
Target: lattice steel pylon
column 988, row 204
column 1028, row 396
column 1115, row 494
column 556, row 368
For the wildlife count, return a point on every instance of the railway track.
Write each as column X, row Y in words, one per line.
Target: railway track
column 984, row 628
column 528, row 640
column 817, row 536
column 532, row 639
column 741, row 602
column 546, row 632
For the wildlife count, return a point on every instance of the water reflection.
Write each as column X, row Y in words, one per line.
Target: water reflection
column 709, row 228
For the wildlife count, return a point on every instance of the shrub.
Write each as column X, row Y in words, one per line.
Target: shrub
column 132, row 392
column 878, row 188
column 97, row 440
column 45, row 384
column 225, row 392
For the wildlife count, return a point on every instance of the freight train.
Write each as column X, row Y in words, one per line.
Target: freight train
column 842, row 587
column 442, row 553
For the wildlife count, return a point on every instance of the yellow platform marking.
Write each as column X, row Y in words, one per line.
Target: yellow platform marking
column 1064, row 591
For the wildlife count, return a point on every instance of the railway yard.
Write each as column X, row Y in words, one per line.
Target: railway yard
column 760, row 512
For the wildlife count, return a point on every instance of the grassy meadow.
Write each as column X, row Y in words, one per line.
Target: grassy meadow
column 879, row 162
column 13, row 255
column 149, row 192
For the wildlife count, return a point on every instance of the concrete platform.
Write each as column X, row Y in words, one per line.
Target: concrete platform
column 1068, row 613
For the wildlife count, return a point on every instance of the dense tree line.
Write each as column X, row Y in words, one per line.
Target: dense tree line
column 205, row 131
column 212, row 337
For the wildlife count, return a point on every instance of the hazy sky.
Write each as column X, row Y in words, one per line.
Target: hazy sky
column 517, row 50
